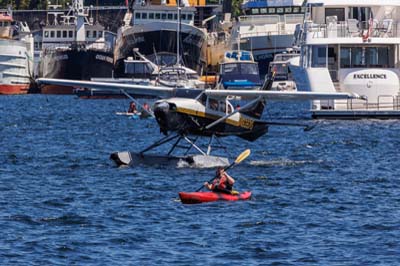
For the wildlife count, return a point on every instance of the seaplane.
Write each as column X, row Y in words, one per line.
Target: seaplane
column 186, row 114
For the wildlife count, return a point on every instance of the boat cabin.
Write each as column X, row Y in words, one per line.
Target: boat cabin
column 354, row 47
column 6, row 21
column 238, row 70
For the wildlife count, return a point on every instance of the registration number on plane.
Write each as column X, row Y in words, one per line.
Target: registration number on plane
column 246, row 123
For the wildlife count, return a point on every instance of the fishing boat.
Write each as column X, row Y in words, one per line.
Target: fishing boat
column 266, row 28
column 75, row 48
column 238, row 70
column 202, row 197
column 351, row 47
column 16, row 55
column 159, row 31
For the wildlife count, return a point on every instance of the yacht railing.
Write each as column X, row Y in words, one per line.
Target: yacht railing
column 262, row 25
column 384, row 103
column 352, row 28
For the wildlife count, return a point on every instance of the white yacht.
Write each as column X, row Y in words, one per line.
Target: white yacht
column 267, row 28
column 351, row 47
column 16, row 55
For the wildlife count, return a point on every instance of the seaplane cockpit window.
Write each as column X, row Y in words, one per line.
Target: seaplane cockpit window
column 213, row 104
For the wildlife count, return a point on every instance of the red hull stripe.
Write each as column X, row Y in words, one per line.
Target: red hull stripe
column 14, row 89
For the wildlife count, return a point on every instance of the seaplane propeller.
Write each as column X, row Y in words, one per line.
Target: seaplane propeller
column 185, row 114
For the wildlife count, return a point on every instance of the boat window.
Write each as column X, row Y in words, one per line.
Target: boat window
column 87, row 34
column 70, row 34
column 318, row 56
column 65, row 34
column 58, row 34
column 175, row 16
column 353, row 57
column 357, row 57
column 151, row 15
column 279, row 10
column 332, row 12
column 158, row 15
column 183, row 16
column 144, row 16
column 288, row 10
column 94, row 34
column 345, row 61
column 169, row 16
column 263, row 10
column 249, row 69
column 255, row 11
column 137, row 15
column 46, row 34
column 296, row 10
column 163, row 16
column 230, row 69
column 271, row 10
column 189, row 16
column 362, row 14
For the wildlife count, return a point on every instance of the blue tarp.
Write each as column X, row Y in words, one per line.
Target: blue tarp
column 266, row 3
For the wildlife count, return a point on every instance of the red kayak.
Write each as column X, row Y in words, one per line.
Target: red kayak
column 200, row 197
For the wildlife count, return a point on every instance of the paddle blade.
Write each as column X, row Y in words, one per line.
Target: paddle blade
column 242, row 156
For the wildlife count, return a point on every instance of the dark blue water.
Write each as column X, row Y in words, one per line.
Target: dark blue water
column 325, row 197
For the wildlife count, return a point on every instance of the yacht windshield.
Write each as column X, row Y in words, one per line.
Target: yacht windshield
column 240, row 68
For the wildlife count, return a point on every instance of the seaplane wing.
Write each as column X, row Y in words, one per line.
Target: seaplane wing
column 282, row 95
column 148, row 90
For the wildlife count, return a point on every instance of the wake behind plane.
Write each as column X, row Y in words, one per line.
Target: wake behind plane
column 185, row 115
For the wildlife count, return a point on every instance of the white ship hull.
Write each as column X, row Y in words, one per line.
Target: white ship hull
column 16, row 66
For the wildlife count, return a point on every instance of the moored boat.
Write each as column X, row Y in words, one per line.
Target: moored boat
column 76, row 48
column 16, row 55
column 159, row 31
column 209, row 196
column 267, row 28
column 239, row 71
column 351, row 47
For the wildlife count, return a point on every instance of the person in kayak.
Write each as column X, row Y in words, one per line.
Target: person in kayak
column 222, row 183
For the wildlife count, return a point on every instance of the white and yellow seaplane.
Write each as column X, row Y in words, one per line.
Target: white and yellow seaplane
column 186, row 114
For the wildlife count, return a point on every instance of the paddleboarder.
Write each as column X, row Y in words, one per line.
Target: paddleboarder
column 222, row 183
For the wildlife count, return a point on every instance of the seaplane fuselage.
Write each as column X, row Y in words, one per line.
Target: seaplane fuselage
column 196, row 117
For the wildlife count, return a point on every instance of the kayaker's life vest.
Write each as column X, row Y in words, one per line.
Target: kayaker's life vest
column 221, row 184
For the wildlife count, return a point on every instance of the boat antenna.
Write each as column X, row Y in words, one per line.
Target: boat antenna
column 178, row 33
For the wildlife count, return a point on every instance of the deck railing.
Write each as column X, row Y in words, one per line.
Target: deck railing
column 354, row 29
column 384, row 103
